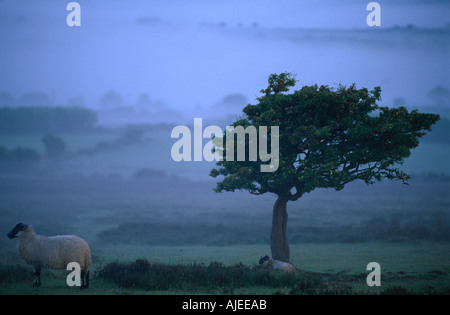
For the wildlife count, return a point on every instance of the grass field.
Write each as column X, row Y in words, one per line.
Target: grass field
column 333, row 235
column 419, row 268
column 180, row 222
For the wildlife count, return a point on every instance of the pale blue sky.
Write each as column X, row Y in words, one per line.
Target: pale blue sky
column 191, row 54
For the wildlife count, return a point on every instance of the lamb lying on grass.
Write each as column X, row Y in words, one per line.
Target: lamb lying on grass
column 270, row 263
column 53, row 252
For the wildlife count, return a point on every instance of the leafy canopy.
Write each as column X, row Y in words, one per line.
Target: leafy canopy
column 328, row 138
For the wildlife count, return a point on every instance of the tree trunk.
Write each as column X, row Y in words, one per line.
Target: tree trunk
column 278, row 241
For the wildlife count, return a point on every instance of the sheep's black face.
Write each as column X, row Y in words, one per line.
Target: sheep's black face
column 263, row 259
column 19, row 227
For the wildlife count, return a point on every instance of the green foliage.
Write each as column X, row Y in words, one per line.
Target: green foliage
column 46, row 119
column 279, row 83
column 328, row 138
column 395, row 290
column 157, row 276
column 322, row 289
column 219, row 278
column 54, row 145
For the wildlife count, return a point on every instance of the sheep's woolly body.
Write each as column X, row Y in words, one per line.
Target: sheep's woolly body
column 53, row 252
column 279, row 265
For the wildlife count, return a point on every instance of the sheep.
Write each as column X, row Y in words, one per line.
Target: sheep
column 53, row 252
column 268, row 262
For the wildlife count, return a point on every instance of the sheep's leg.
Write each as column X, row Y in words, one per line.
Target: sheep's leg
column 84, row 279
column 87, row 280
column 37, row 276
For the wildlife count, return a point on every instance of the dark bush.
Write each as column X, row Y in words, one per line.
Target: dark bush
column 396, row 290
column 129, row 138
column 317, row 288
column 155, row 276
column 54, row 145
column 18, row 160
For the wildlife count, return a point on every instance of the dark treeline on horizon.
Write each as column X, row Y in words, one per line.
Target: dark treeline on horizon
column 46, row 119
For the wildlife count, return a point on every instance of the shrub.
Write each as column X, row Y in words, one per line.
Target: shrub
column 395, row 290
column 54, row 146
column 156, row 276
column 18, row 160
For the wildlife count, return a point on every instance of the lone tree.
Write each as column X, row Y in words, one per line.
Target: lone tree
column 327, row 138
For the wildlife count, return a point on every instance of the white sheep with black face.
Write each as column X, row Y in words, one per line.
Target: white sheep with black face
column 274, row 264
column 54, row 252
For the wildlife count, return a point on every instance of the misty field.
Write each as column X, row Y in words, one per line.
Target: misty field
column 333, row 235
column 120, row 190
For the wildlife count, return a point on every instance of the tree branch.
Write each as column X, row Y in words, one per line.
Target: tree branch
column 294, row 197
column 297, row 195
column 257, row 193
